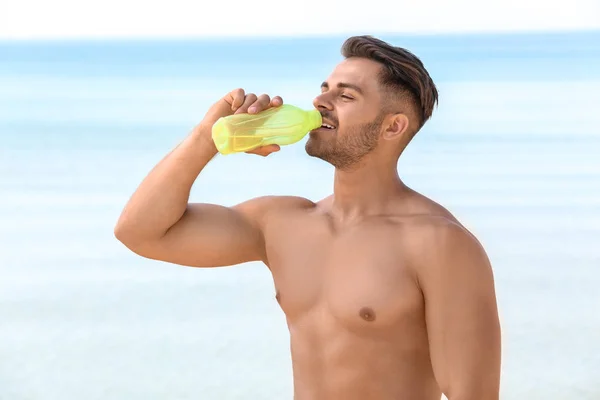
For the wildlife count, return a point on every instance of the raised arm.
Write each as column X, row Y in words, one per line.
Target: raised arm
column 461, row 314
column 159, row 223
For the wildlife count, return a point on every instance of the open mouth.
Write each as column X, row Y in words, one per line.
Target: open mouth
column 327, row 126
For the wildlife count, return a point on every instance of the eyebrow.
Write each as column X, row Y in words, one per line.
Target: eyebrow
column 325, row 85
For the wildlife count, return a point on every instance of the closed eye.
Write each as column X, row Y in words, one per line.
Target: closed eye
column 344, row 96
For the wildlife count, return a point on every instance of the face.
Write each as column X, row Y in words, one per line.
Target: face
column 350, row 103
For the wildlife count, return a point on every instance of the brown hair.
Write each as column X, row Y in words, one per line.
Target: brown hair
column 402, row 72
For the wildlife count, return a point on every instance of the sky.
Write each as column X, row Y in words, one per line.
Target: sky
column 61, row 19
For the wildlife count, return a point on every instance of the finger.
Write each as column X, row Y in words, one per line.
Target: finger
column 237, row 98
column 265, row 150
column 276, row 101
column 248, row 101
column 262, row 102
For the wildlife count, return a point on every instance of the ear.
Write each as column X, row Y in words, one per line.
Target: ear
column 396, row 126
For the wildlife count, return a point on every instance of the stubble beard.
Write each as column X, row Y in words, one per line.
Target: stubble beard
column 347, row 150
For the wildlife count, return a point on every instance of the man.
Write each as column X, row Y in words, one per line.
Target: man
column 386, row 294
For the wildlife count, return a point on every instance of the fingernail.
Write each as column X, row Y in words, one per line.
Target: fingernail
column 252, row 109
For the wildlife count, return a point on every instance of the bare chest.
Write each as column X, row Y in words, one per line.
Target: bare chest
column 359, row 278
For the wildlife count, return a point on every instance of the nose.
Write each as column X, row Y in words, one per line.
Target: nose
column 323, row 102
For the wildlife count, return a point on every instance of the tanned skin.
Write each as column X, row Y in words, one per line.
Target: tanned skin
column 387, row 296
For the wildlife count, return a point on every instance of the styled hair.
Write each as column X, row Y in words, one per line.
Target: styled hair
column 403, row 73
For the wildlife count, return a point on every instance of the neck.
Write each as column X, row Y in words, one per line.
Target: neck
column 365, row 189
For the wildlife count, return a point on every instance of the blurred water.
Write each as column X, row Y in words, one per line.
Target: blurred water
column 512, row 151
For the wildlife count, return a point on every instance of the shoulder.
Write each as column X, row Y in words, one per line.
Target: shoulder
column 432, row 226
column 280, row 203
column 263, row 207
column 441, row 233
column 436, row 243
column 443, row 252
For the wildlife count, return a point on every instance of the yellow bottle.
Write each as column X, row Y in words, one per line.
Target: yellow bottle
column 281, row 125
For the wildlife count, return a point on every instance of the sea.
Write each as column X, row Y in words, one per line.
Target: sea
column 513, row 150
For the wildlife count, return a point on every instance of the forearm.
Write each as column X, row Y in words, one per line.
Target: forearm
column 162, row 197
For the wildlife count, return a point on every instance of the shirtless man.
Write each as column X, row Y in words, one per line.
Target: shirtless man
column 387, row 296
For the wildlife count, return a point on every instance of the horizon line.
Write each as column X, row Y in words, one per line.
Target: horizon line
column 300, row 36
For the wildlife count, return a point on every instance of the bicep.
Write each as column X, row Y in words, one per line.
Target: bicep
column 210, row 235
column 462, row 318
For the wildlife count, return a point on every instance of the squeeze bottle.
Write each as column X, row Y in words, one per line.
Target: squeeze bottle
column 281, row 125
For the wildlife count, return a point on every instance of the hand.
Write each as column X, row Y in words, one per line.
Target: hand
column 236, row 102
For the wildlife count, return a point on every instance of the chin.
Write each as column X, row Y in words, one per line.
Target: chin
column 313, row 147
column 317, row 149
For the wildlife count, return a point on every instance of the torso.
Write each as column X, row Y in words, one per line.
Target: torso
column 353, row 306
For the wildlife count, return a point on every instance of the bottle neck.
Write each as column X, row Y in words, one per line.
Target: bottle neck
column 314, row 119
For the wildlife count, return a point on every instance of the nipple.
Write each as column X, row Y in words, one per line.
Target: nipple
column 367, row 314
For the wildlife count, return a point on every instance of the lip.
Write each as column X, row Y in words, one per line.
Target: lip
column 328, row 122
column 325, row 130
